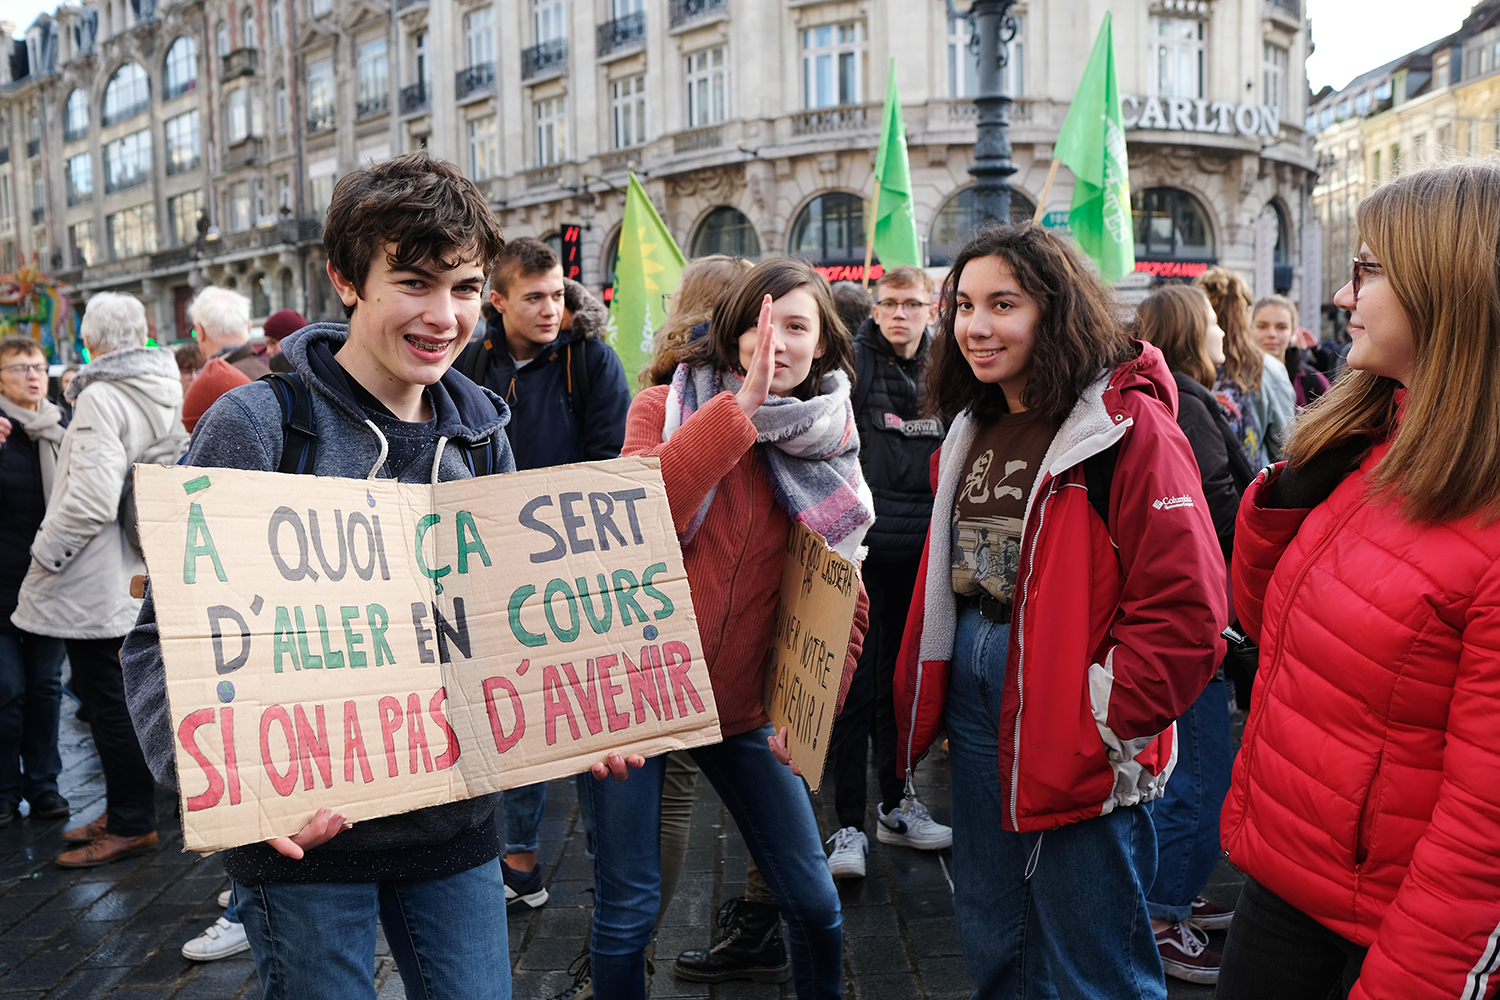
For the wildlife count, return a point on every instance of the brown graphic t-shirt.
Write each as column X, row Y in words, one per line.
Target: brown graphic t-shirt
column 1000, row 472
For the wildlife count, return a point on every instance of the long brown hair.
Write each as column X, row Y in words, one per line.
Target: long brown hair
column 740, row 311
column 1077, row 336
column 1434, row 232
column 1174, row 318
column 704, row 282
column 1243, row 359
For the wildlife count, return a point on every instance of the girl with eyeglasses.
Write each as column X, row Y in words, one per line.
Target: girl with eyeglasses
column 1365, row 802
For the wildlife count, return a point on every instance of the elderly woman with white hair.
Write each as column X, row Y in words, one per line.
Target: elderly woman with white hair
column 78, row 585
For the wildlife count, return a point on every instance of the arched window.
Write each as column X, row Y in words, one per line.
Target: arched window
column 127, row 94
column 959, row 217
column 78, row 114
column 221, row 39
column 249, row 36
column 831, row 230
column 182, row 67
column 726, row 230
column 1170, row 224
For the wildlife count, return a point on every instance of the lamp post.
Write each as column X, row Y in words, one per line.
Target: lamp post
column 992, row 27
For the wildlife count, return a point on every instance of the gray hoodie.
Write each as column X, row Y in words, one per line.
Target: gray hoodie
column 242, row 430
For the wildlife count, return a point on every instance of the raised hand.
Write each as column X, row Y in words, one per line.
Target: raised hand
column 617, row 767
column 762, row 365
column 319, row 830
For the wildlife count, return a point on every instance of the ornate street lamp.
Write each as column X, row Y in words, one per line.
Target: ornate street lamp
column 992, row 26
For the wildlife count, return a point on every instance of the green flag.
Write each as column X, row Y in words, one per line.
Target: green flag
column 1092, row 145
column 895, row 240
column 647, row 272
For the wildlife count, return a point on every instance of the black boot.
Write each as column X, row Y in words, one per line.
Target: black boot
column 751, row 948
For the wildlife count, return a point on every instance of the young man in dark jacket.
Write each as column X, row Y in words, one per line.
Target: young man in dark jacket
column 409, row 242
column 896, row 444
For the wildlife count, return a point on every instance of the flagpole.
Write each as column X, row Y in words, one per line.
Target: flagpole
column 1041, row 203
column 870, row 238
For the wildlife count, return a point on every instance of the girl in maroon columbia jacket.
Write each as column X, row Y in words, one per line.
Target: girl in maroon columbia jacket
column 1072, row 598
column 1365, row 804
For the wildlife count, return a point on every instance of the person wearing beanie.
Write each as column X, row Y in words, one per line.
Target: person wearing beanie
column 216, row 378
column 281, row 324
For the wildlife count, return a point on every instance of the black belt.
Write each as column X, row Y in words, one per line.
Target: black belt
column 990, row 609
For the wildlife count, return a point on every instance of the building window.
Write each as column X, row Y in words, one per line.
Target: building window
column 726, row 230
column 80, row 171
column 127, row 93
column 78, row 114
column 707, row 87
column 484, row 148
column 321, row 7
column 1176, row 64
column 322, row 194
column 831, row 230
column 833, row 59
column 963, row 64
column 239, row 115
column 1344, row 109
column 81, row 242
column 239, row 207
column 284, row 192
column 131, row 232
column 628, row 102
column 420, row 61
column 1273, row 77
column 374, row 77
column 278, row 23
column 1445, row 138
column 320, row 95
column 182, row 67
column 551, row 131
column 38, row 189
column 958, row 219
column 1440, row 64
column 1170, row 224
column 249, row 33
column 183, row 151
column 182, row 217
column 1375, row 167
column 127, row 161
column 479, row 36
column 221, row 39
column 7, row 204
column 548, row 17
column 1361, row 103
column 1396, row 156
column 281, row 107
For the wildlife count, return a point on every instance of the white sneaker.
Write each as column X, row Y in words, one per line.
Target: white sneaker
column 911, row 826
column 224, row 898
column 221, row 940
column 847, row 859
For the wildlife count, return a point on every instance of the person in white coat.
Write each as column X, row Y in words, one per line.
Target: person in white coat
column 78, row 585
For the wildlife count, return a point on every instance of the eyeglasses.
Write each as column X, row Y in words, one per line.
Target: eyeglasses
column 21, row 371
column 1356, row 278
column 891, row 305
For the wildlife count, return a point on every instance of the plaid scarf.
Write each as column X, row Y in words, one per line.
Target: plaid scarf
column 809, row 450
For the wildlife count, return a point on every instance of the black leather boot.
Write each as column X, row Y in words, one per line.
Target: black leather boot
column 751, row 948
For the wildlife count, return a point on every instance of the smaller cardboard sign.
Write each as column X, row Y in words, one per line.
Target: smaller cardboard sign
column 819, row 589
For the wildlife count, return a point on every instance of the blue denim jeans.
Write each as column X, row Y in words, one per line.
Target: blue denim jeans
column 1187, row 816
column 523, row 817
column 448, row 936
column 1059, row 913
column 30, row 701
column 771, row 808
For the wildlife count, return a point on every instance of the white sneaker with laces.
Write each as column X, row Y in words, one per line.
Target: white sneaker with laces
column 847, row 859
column 911, row 826
column 221, row 940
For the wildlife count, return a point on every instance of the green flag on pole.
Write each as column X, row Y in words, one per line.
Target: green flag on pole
column 895, row 238
column 1092, row 145
column 647, row 272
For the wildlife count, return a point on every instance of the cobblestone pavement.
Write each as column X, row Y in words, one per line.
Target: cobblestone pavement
column 117, row 931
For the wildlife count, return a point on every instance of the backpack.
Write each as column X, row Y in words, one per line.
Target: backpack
column 167, row 446
column 576, row 379
column 299, row 432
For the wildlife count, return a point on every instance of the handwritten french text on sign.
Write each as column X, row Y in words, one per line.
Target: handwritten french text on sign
column 819, row 589
column 378, row 647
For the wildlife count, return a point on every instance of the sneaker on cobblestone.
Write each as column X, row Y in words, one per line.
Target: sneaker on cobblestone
column 221, row 940
column 524, row 888
column 1185, row 955
column 911, row 826
column 1210, row 916
column 224, row 898
column 847, row 859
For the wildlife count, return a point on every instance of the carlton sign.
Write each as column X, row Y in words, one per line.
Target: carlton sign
column 1184, row 114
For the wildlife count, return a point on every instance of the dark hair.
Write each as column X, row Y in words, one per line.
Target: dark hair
column 522, row 256
column 854, row 304
column 1077, row 336
column 421, row 212
column 905, row 276
column 20, row 345
column 740, row 311
column 189, row 356
column 1174, row 318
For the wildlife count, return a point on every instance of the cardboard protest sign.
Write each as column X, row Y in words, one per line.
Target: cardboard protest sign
column 819, row 589
column 378, row 647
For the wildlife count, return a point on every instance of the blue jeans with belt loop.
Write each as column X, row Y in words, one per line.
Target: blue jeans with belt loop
column 1055, row 913
column 772, row 810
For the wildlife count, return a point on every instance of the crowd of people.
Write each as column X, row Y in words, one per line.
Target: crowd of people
column 1060, row 515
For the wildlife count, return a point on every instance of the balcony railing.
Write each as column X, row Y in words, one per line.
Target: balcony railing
column 378, row 104
column 320, row 120
column 112, row 185
column 179, row 87
column 622, row 33
column 476, row 79
column 544, row 58
column 77, row 197
column 175, row 165
column 1286, row 8
column 121, row 114
column 244, row 153
column 843, row 118
column 74, row 134
column 38, row 215
column 684, row 11
column 693, row 140
column 414, row 98
column 539, row 177
column 240, row 62
column 619, row 161
column 33, row 147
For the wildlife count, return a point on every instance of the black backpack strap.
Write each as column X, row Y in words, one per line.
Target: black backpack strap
column 299, row 433
column 578, row 378
column 479, row 361
column 1098, row 476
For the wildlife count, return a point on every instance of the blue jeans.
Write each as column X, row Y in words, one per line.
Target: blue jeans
column 1059, row 913
column 771, row 808
column 1187, row 816
column 523, row 817
column 448, row 936
column 30, row 701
